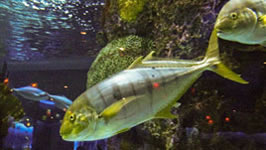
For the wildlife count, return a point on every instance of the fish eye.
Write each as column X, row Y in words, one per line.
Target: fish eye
column 233, row 15
column 72, row 117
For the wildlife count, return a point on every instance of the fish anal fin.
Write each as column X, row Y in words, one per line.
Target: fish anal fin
column 166, row 113
column 123, row 130
column 149, row 56
column 135, row 62
column 113, row 109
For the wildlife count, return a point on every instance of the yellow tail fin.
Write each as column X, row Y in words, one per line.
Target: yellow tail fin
column 212, row 56
column 225, row 72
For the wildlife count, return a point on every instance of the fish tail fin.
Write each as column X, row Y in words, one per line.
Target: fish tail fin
column 213, row 48
column 212, row 57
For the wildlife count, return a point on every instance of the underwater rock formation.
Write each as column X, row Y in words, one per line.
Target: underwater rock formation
column 181, row 28
column 117, row 56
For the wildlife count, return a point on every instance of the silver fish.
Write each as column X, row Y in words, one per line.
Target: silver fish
column 146, row 90
column 243, row 21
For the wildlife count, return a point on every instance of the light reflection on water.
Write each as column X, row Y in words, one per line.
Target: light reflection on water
column 39, row 29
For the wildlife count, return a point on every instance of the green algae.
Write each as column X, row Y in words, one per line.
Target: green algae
column 117, row 56
column 129, row 9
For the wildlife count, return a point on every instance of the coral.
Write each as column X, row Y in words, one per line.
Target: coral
column 117, row 56
column 178, row 28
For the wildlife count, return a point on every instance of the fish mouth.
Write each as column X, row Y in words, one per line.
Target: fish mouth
column 65, row 136
column 222, row 33
column 219, row 32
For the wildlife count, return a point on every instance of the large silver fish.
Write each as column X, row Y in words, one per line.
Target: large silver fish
column 243, row 21
column 146, row 90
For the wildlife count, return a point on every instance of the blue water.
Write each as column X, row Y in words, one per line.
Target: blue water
column 39, row 29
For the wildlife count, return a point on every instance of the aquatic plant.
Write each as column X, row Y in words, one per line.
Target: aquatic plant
column 10, row 108
column 117, row 56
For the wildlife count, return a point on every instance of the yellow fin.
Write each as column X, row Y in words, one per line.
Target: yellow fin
column 219, row 68
column 263, row 20
column 225, row 72
column 213, row 46
column 123, row 130
column 166, row 113
column 136, row 62
column 149, row 56
column 113, row 109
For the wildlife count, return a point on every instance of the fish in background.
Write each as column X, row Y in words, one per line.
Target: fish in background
column 147, row 90
column 39, row 95
column 243, row 21
column 31, row 93
column 61, row 102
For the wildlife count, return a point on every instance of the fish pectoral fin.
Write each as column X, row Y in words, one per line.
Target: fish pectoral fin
column 113, row 109
column 123, row 130
column 149, row 56
column 166, row 112
column 263, row 20
column 136, row 62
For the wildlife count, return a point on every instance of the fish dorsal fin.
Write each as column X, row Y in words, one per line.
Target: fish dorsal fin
column 166, row 112
column 136, row 62
column 149, row 56
column 140, row 59
column 113, row 109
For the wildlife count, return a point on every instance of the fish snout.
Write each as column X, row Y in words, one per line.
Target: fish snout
column 64, row 131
